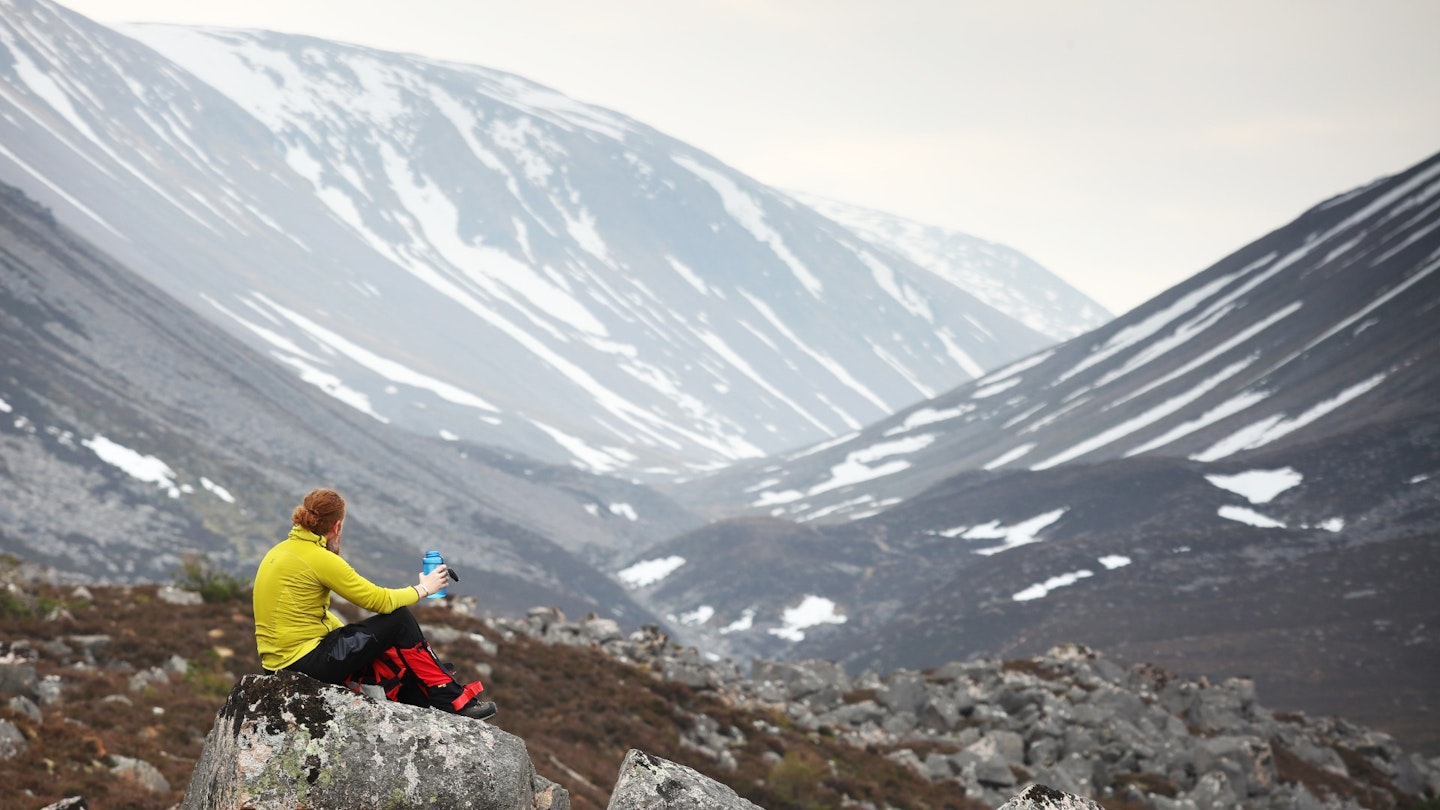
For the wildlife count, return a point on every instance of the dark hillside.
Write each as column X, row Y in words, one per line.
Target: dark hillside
column 1329, row 621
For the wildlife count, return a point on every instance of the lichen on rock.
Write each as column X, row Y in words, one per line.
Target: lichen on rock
column 285, row 740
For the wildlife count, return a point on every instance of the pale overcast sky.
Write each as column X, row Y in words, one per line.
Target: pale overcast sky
column 1123, row 144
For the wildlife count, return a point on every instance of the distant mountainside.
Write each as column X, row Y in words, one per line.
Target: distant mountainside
column 1002, row 277
column 1320, row 327
column 463, row 253
column 134, row 433
column 1239, row 477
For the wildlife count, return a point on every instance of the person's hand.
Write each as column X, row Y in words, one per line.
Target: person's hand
column 435, row 580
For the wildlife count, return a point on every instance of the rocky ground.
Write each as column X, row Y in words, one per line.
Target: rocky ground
column 108, row 692
column 1133, row 736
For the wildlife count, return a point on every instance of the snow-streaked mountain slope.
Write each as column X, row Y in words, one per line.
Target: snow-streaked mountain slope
column 1322, row 325
column 1002, row 277
column 134, row 433
column 1315, row 576
column 467, row 254
column 1238, row 478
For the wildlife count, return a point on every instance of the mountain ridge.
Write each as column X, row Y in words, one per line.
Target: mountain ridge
column 461, row 252
column 1271, row 342
column 137, row 433
column 1000, row 276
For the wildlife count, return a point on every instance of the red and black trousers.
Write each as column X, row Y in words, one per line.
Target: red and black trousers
column 388, row 650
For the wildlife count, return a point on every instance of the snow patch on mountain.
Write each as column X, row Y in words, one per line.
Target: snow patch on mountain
column 1013, row 454
column 1013, row 536
column 218, row 491
column 141, row 467
column 648, row 572
column 811, row 612
column 751, row 216
column 858, row 467
column 1250, row 516
column 1267, row 430
column 1149, row 417
column 1042, row 589
column 929, row 416
column 694, row 618
column 1258, row 486
column 1136, row 333
column 742, row 624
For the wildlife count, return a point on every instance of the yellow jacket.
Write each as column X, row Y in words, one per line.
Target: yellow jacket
column 292, row 597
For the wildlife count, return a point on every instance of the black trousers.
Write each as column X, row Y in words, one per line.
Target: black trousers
column 409, row 671
column 351, row 649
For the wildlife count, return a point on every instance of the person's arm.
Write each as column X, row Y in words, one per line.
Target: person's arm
column 338, row 575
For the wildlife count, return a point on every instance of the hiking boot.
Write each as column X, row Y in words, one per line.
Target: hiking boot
column 479, row 709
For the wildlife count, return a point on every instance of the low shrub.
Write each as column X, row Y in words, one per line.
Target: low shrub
column 214, row 585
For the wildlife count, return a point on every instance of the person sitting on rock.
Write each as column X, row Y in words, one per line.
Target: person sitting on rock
column 295, row 630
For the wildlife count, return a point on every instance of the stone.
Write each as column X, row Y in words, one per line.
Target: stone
column 145, row 678
column 171, row 595
column 906, row 692
column 1040, row 797
column 90, row 647
column 49, row 690
column 1214, row 790
column 687, row 668
column 937, row 767
column 1078, row 771
column 441, row 634
column 1043, row 752
column 798, row 679
column 1014, row 699
column 286, row 741
column 906, row 757
column 1010, row 745
column 17, row 670
column 72, row 803
column 547, row 795
column 1057, row 778
column 24, row 705
column 12, row 740
column 854, row 714
column 988, row 765
column 705, row 736
column 600, row 631
column 899, row 724
column 1115, row 704
column 140, row 772
column 1245, row 761
column 1322, row 756
column 647, row 782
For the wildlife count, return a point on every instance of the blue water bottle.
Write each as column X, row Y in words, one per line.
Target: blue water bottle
column 433, row 560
